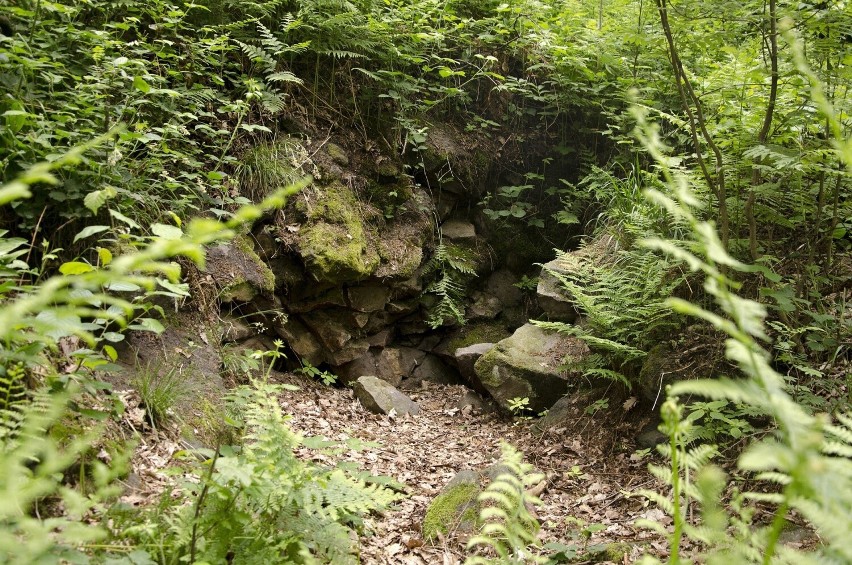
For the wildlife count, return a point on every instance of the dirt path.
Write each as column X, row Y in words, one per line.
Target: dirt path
column 588, row 470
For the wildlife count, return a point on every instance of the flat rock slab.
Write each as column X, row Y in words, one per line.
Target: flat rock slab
column 457, row 230
column 380, row 397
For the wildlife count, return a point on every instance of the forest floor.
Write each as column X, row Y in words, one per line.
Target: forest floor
column 588, row 475
column 590, row 471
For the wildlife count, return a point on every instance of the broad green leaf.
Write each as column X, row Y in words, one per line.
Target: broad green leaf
column 104, row 256
column 113, row 337
column 179, row 289
column 89, row 231
column 111, row 352
column 56, row 323
column 166, row 231
column 123, row 286
column 94, row 200
column 75, row 268
column 140, row 85
column 122, row 218
column 148, row 325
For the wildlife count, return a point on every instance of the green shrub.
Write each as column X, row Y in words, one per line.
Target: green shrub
column 797, row 465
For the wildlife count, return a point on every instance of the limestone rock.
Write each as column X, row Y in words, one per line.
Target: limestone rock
column 235, row 329
column 369, row 298
column 650, row 436
column 380, row 397
column 472, row 402
column 455, row 509
column 485, row 307
column 386, row 364
column 337, row 154
column 330, row 298
column 332, row 331
column 458, row 230
column 560, row 415
column 352, row 350
column 409, row 359
column 466, row 358
column 529, row 365
column 335, row 242
column 380, row 339
column 300, row 339
column 553, row 298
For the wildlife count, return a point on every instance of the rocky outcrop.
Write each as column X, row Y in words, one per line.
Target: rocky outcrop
column 532, row 363
column 380, row 397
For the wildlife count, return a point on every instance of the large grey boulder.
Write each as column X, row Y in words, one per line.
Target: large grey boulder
column 380, row 397
column 531, row 363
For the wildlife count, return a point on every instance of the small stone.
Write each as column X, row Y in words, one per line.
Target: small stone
column 380, row 397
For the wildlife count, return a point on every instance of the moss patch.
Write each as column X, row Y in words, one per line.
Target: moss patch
column 455, row 509
column 336, row 244
column 489, row 332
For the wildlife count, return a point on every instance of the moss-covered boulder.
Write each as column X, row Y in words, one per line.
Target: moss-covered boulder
column 532, row 363
column 335, row 243
column 456, row 509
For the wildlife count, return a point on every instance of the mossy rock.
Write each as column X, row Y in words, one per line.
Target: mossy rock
column 456, row 509
column 238, row 270
column 336, row 244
